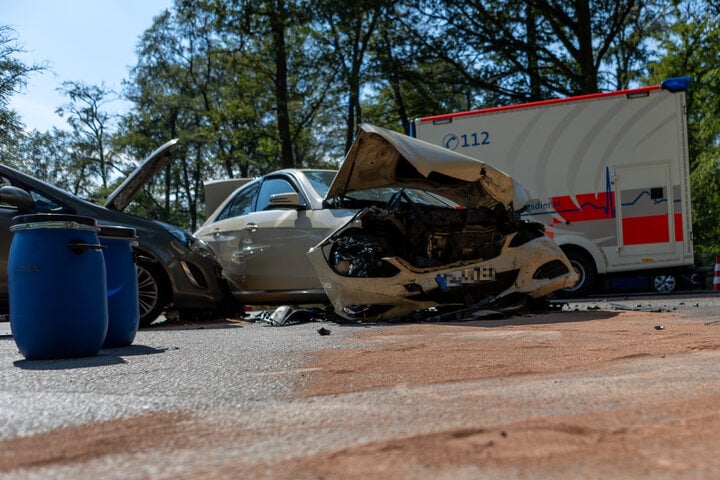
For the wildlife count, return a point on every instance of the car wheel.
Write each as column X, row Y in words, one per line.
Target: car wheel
column 663, row 282
column 152, row 292
column 584, row 266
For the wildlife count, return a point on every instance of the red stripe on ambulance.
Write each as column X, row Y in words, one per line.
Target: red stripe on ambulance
column 650, row 229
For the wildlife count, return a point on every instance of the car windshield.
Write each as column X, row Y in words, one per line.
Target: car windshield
column 416, row 196
column 320, row 180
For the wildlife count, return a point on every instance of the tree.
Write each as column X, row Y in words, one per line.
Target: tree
column 13, row 77
column 271, row 38
column 91, row 127
column 344, row 31
column 171, row 87
column 405, row 77
column 691, row 47
column 48, row 156
column 516, row 51
column 435, row 57
column 233, row 81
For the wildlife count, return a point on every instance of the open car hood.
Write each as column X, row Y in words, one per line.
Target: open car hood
column 383, row 158
column 156, row 161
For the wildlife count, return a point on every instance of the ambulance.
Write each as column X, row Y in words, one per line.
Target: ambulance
column 608, row 174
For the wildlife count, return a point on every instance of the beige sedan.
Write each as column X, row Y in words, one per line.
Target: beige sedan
column 450, row 234
column 261, row 233
column 402, row 226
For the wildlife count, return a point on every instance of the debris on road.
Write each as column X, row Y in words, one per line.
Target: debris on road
column 637, row 308
column 285, row 315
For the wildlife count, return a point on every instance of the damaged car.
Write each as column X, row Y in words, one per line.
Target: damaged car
column 432, row 228
column 174, row 268
column 262, row 231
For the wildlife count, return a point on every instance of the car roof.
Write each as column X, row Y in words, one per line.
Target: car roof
column 299, row 175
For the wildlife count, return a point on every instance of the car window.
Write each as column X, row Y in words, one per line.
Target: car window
column 45, row 204
column 271, row 187
column 241, row 204
column 320, row 180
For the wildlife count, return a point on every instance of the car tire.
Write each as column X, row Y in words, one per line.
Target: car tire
column 584, row 266
column 152, row 291
column 663, row 282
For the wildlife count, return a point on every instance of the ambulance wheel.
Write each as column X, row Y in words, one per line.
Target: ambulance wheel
column 584, row 266
column 663, row 282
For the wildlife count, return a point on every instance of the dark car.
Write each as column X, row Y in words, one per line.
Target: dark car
column 174, row 267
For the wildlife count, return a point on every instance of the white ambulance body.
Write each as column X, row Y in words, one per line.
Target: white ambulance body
column 608, row 173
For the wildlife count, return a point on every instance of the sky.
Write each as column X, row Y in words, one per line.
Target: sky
column 89, row 41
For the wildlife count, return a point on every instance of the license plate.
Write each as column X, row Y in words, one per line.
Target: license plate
column 467, row 276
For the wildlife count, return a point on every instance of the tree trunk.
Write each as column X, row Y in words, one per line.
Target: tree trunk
column 586, row 57
column 277, row 27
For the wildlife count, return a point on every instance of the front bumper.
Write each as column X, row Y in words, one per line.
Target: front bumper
column 536, row 269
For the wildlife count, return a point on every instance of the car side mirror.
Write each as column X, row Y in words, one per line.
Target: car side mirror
column 17, row 197
column 286, row 200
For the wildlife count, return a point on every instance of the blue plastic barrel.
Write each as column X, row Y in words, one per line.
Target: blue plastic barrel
column 122, row 285
column 57, row 286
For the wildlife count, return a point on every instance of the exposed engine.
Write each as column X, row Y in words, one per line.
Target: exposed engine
column 424, row 236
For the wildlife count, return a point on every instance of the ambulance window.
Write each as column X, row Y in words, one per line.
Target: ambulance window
column 657, row 193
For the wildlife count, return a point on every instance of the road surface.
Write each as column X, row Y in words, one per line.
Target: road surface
column 624, row 387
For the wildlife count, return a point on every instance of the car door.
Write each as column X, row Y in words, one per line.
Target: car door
column 227, row 234
column 277, row 240
column 262, row 247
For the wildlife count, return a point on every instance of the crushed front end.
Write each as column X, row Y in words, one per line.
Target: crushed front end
column 389, row 262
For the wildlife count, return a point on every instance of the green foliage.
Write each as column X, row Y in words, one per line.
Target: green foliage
column 692, row 47
column 91, row 128
column 252, row 86
column 52, row 156
column 13, row 77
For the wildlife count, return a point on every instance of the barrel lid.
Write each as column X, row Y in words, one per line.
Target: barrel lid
column 116, row 231
column 53, row 217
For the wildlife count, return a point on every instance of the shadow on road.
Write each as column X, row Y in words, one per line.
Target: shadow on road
column 494, row 318
column 106, row 357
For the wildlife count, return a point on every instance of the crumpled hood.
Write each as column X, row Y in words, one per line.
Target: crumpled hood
column 156, row 161
column 384, row 158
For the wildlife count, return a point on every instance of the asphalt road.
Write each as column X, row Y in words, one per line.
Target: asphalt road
column 251, row 369
column 226, row 365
